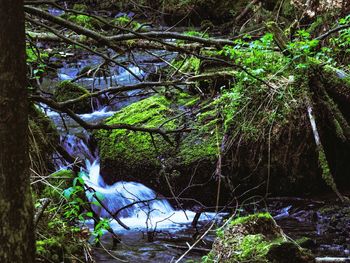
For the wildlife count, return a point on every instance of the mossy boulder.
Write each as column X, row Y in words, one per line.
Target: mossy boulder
column 138, row 156
column 255, row 238
column 67, row 90
column 262, row 146
column 137, row 147
column 193, row 156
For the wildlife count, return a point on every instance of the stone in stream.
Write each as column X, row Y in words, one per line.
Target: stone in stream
column 255, row 238
column 67, row 90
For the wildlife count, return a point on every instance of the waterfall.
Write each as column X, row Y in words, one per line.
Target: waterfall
column 144, row 208
column 136, row 205
column 141, row 201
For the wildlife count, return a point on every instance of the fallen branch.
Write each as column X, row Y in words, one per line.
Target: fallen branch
column 326, row 173
column 44, row 204
column 331, row 260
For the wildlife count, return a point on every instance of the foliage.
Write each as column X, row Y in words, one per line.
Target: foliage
column 59, row 239
column 37, row 61
column 187, row 65
column 60, row 232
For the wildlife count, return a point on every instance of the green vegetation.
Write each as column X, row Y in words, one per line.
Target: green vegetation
column 255, row 238
column 242, row 113
column 43, row 139
column 67, row 90
column 251, row 218
column 134, row 147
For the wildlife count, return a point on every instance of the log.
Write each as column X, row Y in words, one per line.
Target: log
column 195, row 249
column 279, row 37
column 326, row 173
column 44, row 204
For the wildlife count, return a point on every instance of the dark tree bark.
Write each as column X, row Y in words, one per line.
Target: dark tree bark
column 16, row 210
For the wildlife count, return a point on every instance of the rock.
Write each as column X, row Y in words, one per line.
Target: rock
column 193, row 157
column 150, row 159
column 67, row 90
column 306, row 242
column 256, row 238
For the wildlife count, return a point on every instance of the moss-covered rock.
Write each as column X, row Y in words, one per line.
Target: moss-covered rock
column 67, row 90
column 136, row 147
column 255, row 238
column 263, row 137
column 137, row 156
column 144, row 156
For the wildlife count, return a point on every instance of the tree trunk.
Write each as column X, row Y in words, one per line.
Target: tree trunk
column 16, row 211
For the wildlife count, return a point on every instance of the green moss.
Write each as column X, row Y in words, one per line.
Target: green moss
column 192, row 102
column 58, row 241
column 254, row 238
column 200, row 145
column 188, row 65
column 67, row 90
column 43, row 139
column 80, row 7
column 326, row 173
column 253, row 247
column 84, row 20
column 254, row 217
column 134, row 147
column 63, row 174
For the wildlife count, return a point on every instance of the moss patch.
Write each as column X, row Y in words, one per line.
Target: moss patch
column 67, row 90
column 251, row 218
column 255, row 238
column 134, row 147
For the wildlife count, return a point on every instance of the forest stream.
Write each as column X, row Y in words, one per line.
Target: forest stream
column 163, row 131
column 326, row 233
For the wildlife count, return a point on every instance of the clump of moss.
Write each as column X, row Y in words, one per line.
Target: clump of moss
column 203, row 142
column 134, row 147
column 252, row 218
column 67, row 90
column 255, row 238
column 80, row 7
column 83, row 20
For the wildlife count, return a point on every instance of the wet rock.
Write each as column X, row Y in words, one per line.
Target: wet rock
column 256, row 238
column 306, row 242
column 67, row 90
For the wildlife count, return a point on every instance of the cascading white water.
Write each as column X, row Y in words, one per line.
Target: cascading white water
column 140, row 200
column 144, row 208
column 137, row 205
